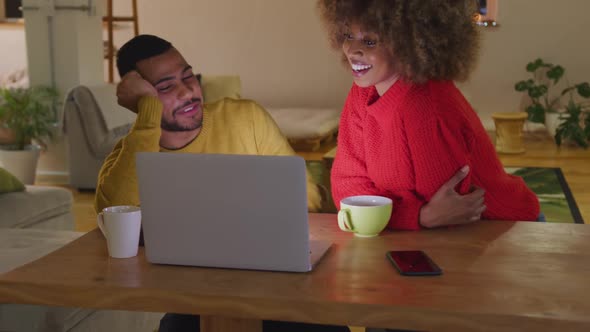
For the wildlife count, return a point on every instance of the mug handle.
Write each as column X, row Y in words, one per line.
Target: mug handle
column 344, row 220
column 100, row 222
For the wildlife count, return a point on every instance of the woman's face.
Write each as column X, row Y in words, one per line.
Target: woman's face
column 370, row 62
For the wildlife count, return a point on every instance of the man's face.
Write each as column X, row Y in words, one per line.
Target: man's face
column 178, row 90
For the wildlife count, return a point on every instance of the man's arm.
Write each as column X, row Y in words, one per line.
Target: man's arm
column 270, row 141
column 117, row 180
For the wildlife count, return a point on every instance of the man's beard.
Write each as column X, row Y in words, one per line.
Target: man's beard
column 175, row 126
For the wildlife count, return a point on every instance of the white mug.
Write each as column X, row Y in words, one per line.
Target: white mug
column 120, row 225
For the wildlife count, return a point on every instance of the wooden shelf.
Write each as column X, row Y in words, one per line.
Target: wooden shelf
column 9, row 24
column 110, row 20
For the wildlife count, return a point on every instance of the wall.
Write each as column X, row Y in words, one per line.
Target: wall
column 280, row 51
column 276, row 46
column 14, row 51
column 553, row 30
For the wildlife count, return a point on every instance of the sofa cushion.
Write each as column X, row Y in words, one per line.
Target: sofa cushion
column 34, row 205
column 217, row 87
column 9, row 183
column 306, row 123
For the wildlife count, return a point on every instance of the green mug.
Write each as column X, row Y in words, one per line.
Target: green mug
column 365, row 216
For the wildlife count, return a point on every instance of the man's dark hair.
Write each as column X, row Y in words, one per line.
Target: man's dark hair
column 140, row 48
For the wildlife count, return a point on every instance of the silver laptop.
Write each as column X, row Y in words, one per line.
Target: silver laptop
column 226, row 211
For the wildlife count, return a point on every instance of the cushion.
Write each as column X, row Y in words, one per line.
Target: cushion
column 34, row 205
column 9, row 183
column 217, row 87
column 306, row 123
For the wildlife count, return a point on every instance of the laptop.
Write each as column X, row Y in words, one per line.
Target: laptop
column 226, row 211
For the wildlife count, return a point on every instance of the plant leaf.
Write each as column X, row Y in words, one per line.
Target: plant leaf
column 583, row 89
column 536, row 113
column 521, row 86
column 560, row 132
column 537, row 91
column 555, row 73
column 531, row 67
column 29, row 112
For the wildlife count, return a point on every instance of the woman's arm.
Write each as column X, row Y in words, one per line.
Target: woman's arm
column 349, row 172
column 440, row 146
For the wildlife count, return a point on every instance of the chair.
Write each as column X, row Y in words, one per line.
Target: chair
column 92, row 128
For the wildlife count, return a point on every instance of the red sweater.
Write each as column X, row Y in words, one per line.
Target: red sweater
column 407, row 143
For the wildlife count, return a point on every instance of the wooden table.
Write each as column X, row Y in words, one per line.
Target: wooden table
column 497, row 276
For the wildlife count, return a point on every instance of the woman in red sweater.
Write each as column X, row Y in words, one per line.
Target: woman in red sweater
column 406, row 128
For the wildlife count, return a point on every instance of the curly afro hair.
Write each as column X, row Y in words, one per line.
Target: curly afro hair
column 427, row 39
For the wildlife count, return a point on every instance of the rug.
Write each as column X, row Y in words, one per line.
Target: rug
column 556, row 199
column 549, row 184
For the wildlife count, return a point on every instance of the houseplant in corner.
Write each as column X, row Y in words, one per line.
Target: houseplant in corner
column 27, row 113
column 570, row 128
column 548, row 107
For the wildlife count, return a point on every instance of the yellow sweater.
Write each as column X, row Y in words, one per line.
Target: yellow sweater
column 229, row 127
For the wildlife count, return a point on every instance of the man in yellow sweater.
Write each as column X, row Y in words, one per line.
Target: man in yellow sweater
column 160, row 86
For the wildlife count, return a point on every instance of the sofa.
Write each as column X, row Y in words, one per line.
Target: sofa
column 30, row 206
column 93, row 124
column 37, row 207
column 45, row 208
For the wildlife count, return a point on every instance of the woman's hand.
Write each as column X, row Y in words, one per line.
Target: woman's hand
column 131, row 88
column 447, row 207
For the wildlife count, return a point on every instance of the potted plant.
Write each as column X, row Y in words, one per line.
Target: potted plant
column 28, row 114
column 548, row 107
column 570, row 129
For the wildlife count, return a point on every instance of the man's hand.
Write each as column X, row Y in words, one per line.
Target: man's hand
column 447, row 207
column 131, row 88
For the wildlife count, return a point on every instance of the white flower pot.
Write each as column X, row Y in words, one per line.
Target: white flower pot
column 553, row 120
column 21, row 163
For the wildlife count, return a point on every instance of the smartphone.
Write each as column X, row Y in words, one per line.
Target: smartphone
column 413, row 263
